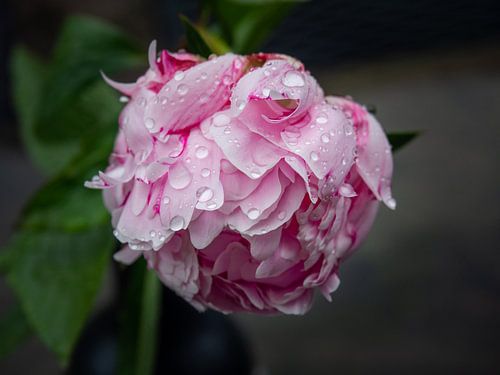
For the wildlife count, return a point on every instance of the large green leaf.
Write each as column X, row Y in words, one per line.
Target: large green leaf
column 85, row 47
column 246, row 24
column 56, row 276
column 28, row 77
column 14, row 329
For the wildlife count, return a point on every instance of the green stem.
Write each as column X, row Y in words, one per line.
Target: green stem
column 148, row 323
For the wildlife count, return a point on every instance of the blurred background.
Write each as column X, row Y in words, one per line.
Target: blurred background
column 422, row 295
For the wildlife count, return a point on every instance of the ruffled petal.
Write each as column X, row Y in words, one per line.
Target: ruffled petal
column 192, row 95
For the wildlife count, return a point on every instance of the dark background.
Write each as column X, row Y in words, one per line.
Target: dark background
column 423, row 293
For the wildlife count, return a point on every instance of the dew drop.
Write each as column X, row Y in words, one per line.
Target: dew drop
column 179, row 75
column 322, row 119
column 325, row 138
column 204, row 75
column 177, row 223
column 266, row 91
column 179, row 177
column 255, row 173
column 314, row 156
column 152, row 234
column 211, row 205
column 205, row 172
column 204, row 194
column 141, row 101
column 166, row 200
column 204, row 98
column 391, row 203
column 182, row 89
column 227, row 130
column 282, row 215
column 253, row 213
column 201, row 152
column 293, row 79
column 221, row 120
column 226, row 80
column 124, row 99
column 150, row 123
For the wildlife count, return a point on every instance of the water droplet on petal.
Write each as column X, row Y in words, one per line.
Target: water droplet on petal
column 204, row 194
column 150, row 123
column 253, row 213
column 177, row 223
column 226, row 80
column 179, row 75
column 203, row 75
column 282, row 215
column 227, row 130
column 266, row 91
column 322, row 119
column 221, row 120
column 182, row 89
column 124, row 99
column 141, row 101
column 152, row 233
column 391, row 203
column 204, row 98
column 293, row 79
column 325, row 138
column 314, row 156
column 166, row 200
column 255, row 173
column 205, row 172
column 201, row 152
column 211, row 205
column 179, row 177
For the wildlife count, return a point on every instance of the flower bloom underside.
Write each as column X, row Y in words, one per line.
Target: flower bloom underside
column 242, row 185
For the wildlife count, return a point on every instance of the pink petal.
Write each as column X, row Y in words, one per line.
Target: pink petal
column 192, row 95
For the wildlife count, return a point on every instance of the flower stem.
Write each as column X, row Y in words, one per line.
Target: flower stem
column 147, row 338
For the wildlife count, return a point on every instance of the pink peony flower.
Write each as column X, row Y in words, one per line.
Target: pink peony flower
column 241, row 184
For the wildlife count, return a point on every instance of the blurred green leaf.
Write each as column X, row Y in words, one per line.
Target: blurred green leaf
column 56, row 276
column 28, row 76
column 14, row 329
column 246, row 24
column 195, row 41
column 214, row 42
column 67, row 111
column 399, row 139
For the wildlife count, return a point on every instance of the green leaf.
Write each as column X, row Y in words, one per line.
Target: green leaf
column 195, row 41
column 14, row 329
column 63, row 203
column 28, row 77
column 247, row 24
column 139, row 321
column 68, row 111
column 399, row 139
column 56, row 276
column 214, row 42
